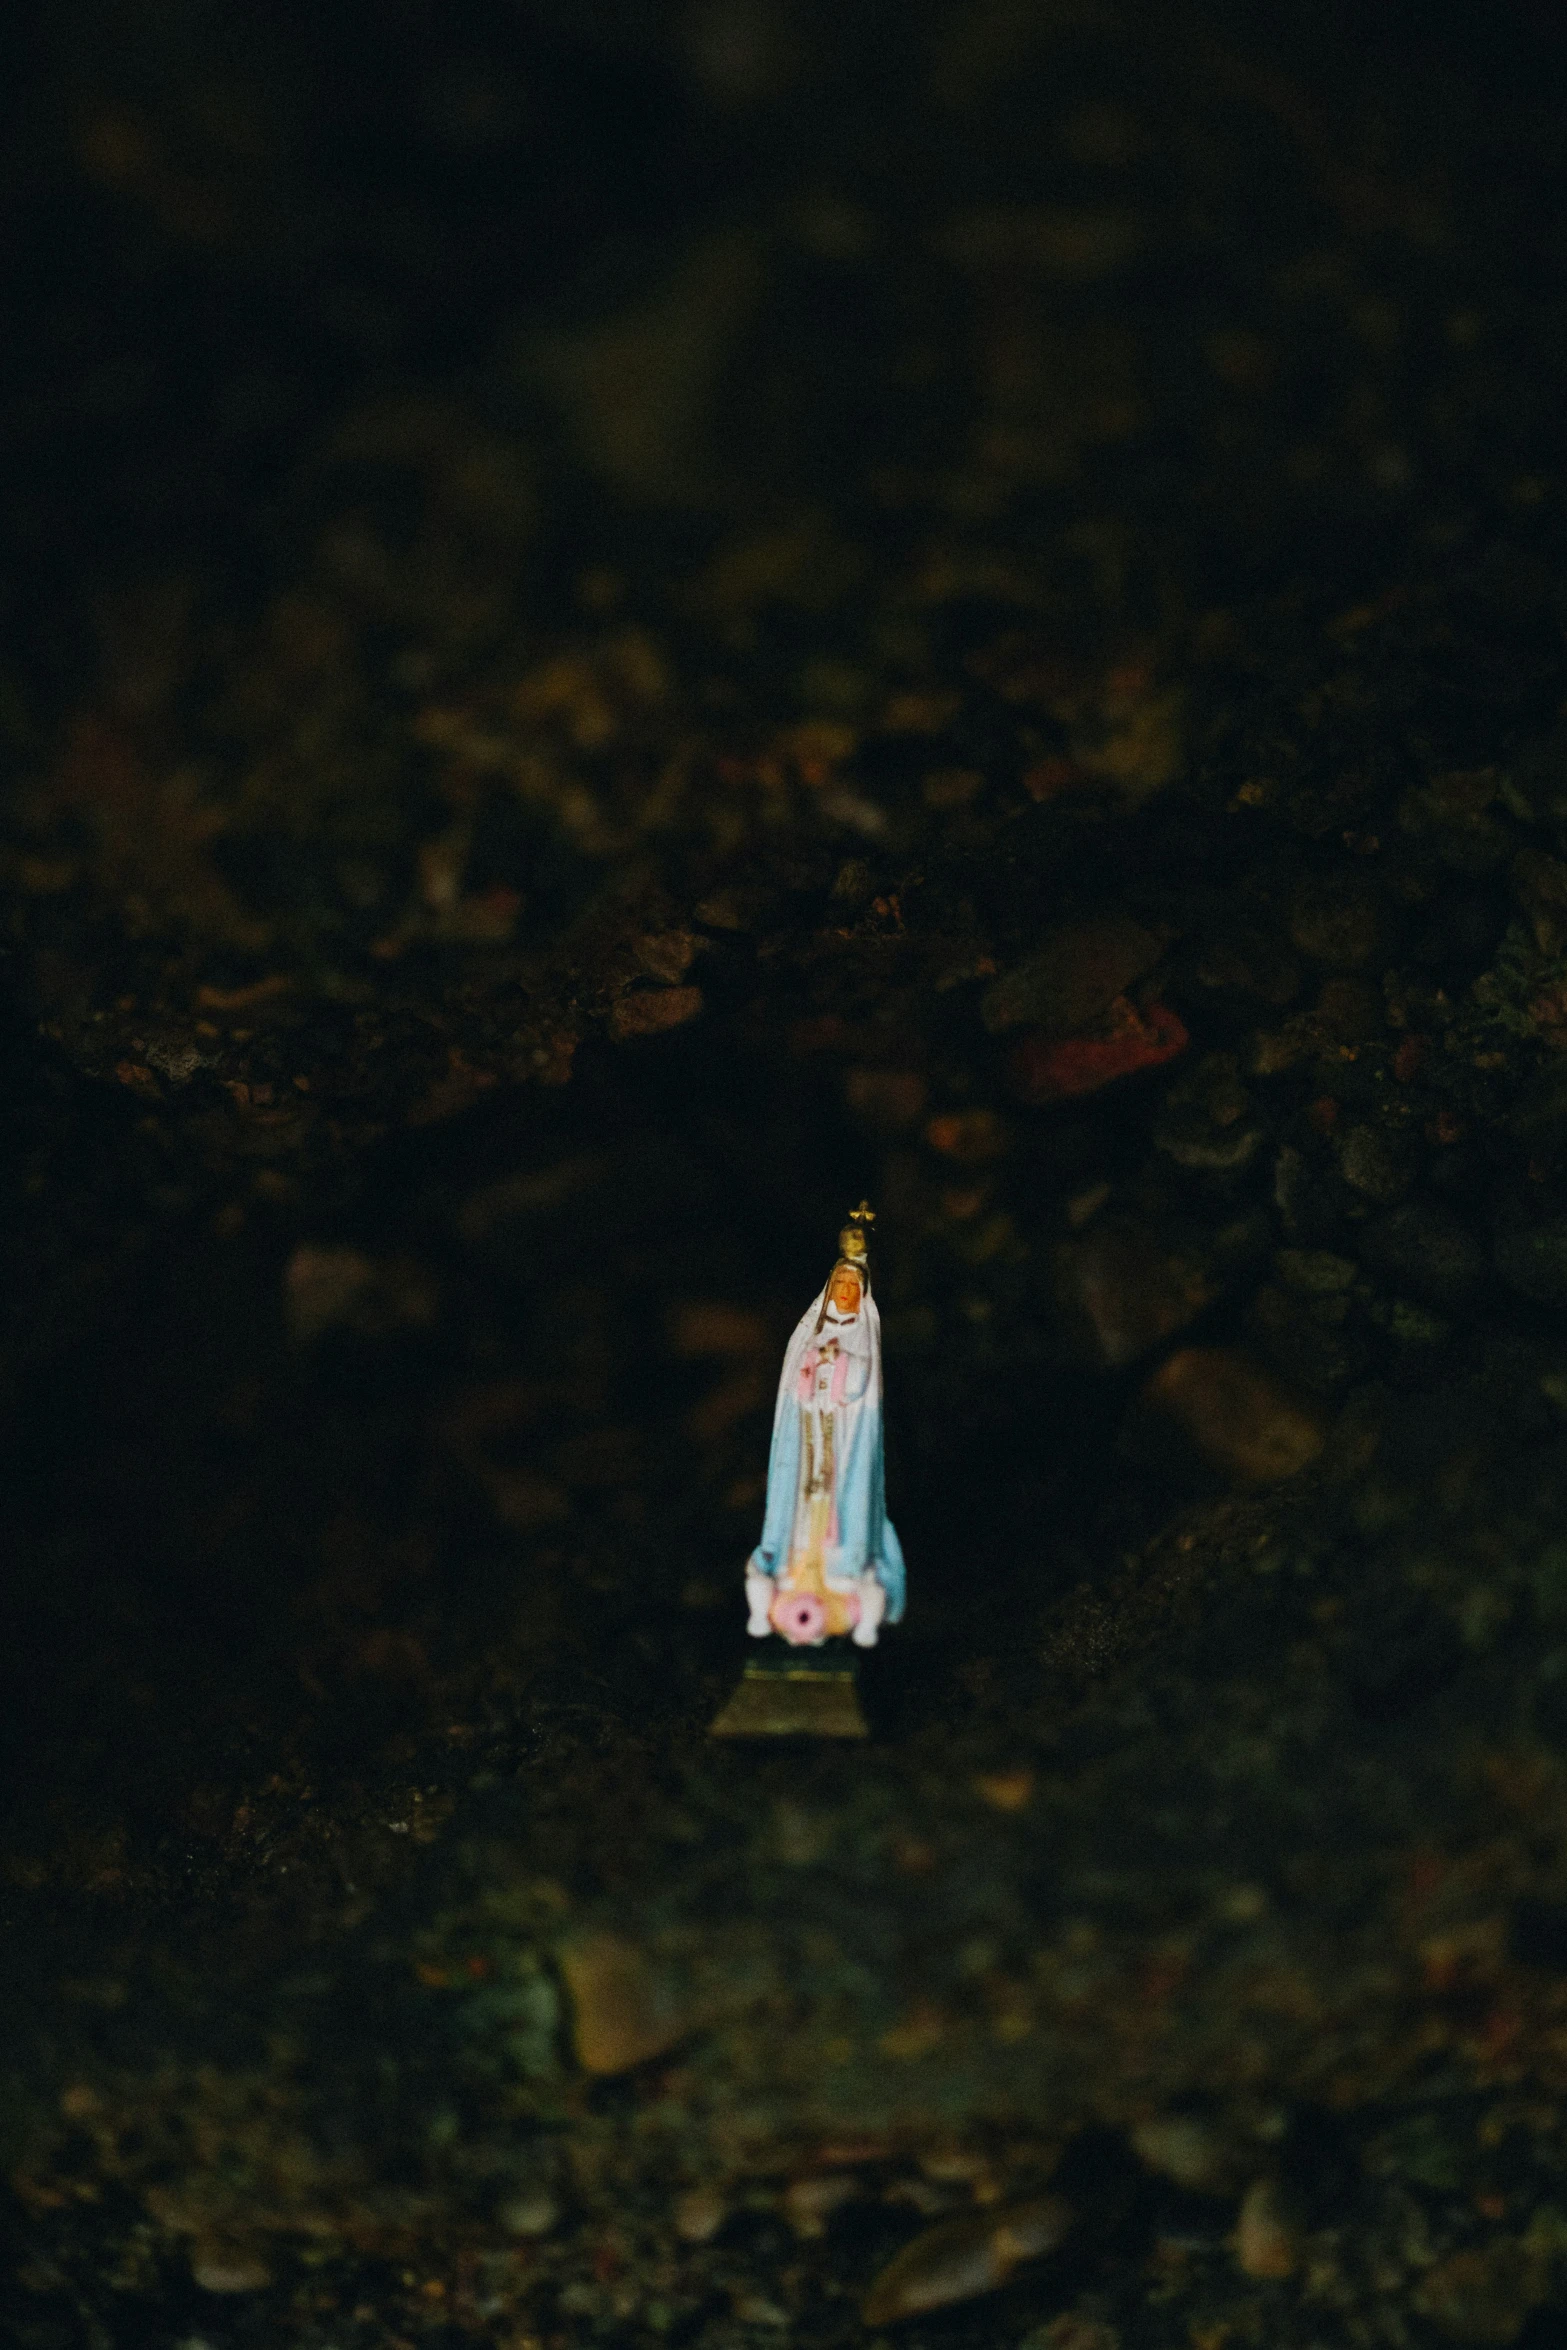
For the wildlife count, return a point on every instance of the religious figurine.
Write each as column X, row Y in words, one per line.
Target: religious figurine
column 828, row 1569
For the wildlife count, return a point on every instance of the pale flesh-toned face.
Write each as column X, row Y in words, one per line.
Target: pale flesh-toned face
column 844, row 1291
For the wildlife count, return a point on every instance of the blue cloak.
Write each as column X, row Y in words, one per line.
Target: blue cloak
column 866, row 1539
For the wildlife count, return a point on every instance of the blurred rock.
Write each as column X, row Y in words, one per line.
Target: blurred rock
column 1315, row 1272
column 1347, row 1011
column 739, row 908
column 891, row 1100
column 1127, row 1040
column 1540, row 886
column 952, row 787
column 1072, row 2332
column 1374, row 1165
column 963, row 2257
column 1005, row 1791
column 1310, row 1195
column 1184, row 2148
column 1458, row 812
column 652, row 1011
column 623, row 2009
column 667, row 954
column 760, row 2309
column 1122, row 1293
column 1486, row 2294
column 1423, row 1247
column 1334, row 919
column 1253, row 963
column 809, row 2203
column 972, row 1137
column 1265, row 2243
column 1312, row 1340
column 535, row 2212
column 337, row 1288
column 1532, row 1260
column 1411, row 1325
column 1137, row 743
column 229, row 2268
column 529, row 1197
column 1240, row 1419
column 1539, row 1117
column 1072, row 980
column 1206, row 1123
column 699, row 2214
column 638, row 390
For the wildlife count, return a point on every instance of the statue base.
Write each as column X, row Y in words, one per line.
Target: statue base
column 788, row 1692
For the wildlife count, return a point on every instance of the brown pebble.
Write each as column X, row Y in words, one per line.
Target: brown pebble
column 667, row 954
column 532, row 2213
column 1348, row 1011
column 1335, row 921
column 731, row 909
column 243, row 999
column 1456, row 811
column 1121, row 1293
column 891, row 1100
column 328, row 1286
column 649, row 1011
column 228, row 2268
column 622, row 2013
column 755, row 2309
column 1315, row 1272
column 1241, row 1420
column 972, row 1137
column 1540, row 882
column 952, row 787
column 1485, row 2294
column 1006, row 1790
column 1073, row 979
column 1251, row 962
column 962, row 2166
column 809, row 2203
column 699, row 2214
column 1072, row 2332
column 1264, row 2242
column 960, row 2258
column 1373, row 1165
column 1182, row 2148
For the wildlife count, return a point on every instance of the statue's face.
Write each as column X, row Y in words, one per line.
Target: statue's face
column 844, row 1292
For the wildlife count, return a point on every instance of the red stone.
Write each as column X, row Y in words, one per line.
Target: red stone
column 1048, row 778
column 1046, row 1069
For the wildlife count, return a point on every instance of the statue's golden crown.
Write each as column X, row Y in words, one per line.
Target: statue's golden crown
column 853, row 1240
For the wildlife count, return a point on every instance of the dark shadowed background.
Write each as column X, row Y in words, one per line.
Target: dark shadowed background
column 620, row 624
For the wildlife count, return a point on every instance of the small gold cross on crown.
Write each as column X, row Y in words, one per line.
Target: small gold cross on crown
column 852, row 1239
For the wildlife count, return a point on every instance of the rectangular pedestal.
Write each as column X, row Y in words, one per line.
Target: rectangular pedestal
column 803, row 1701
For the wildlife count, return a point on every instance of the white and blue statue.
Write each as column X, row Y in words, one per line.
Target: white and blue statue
column 829, row 1561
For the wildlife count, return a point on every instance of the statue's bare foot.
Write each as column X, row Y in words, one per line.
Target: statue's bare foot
column 873, row 1606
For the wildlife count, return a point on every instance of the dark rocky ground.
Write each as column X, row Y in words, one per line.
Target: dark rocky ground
column 622, row 624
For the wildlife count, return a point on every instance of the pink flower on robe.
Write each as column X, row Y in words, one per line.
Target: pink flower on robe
column 800, row 1617
column 838, row 1391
